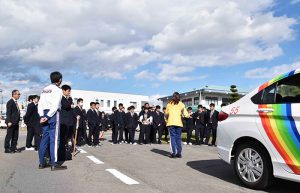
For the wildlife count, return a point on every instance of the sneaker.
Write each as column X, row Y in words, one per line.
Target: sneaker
column 185, row 143
column 126, row 142
column 134, row 143
column 58, row 167
column 172, row 156
column 29, row 148
column 178, row 155
column 190, row 144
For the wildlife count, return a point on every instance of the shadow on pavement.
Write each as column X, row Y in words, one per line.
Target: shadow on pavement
column 219, row 169
column 161, row 152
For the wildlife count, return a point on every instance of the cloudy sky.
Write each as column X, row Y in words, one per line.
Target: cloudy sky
column 149, row 47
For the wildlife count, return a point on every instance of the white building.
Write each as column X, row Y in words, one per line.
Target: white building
column 204, row 96
column 108, row 100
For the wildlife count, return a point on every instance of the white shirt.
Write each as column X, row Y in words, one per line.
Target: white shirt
column 50, row 100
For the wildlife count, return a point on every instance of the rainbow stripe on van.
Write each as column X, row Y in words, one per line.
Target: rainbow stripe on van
column 281, row 129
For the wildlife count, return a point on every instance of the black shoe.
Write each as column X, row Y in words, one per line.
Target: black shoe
column 178, row 155
column 7, row 151
column 16, row 151
column 172, row 156
column 58, row 167
column 159, row 142
column 210, row 145
column 42, row 166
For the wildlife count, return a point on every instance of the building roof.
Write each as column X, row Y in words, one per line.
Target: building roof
column 209, row 89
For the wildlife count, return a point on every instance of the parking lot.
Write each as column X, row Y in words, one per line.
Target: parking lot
column 125, row 168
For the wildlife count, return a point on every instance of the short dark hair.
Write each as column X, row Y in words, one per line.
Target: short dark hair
column 92, row 103
column 200, row 106
column 157, row 107
column 14, row 92
column 189, row 108
column 132, row 107
column 114, row 108
column 79, row 100
column 97, row 103
column 30, row 97
column 120, row 104
column 35, row 96
column 55, row 77
column 164, row 108
column 65, row 87
column 212, row 105
column 146, row 104
column 129, row 108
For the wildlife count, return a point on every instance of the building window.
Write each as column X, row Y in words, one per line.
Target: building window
column 210, row 100
column 108, row 103
column 97, row 100
column 196, row 100
column 115, row 103
column 133, row 104
column 187, row 102
column 102, row 103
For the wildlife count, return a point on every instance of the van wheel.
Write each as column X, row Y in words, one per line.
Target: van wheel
column 253, row 166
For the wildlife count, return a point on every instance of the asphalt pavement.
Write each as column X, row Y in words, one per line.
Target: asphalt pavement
column 125, row 168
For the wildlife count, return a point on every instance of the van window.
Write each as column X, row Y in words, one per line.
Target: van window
column 288, row 90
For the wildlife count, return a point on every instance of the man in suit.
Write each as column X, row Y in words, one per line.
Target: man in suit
column 158, row 123
column 79, row 113
column 66, row 123
column 212, row 124
column 165, row 128
column 190, row 126
column 12, row 120
column 98, row 123
column 200, row 122
column 32, row 120
column 114, row 136
column 119, row 122
column 92, row 123
column 131, row 124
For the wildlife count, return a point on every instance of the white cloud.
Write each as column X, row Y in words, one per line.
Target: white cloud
column 271, row 72
column 111, row 38
column 294, row 2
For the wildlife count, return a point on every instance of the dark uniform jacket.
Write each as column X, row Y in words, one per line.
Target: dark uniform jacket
column 12, row 113
column 131, row 120
column 81, row 112
column 32, row 117
column 66, row 111
column 158, row 119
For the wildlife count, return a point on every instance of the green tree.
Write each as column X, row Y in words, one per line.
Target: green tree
column 234, row 96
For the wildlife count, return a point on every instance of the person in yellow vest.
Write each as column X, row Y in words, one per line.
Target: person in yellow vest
column 175, row 111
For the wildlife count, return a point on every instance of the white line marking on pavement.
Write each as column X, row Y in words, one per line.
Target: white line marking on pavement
column 82, row 151
column 122, row 177
column 95, row 160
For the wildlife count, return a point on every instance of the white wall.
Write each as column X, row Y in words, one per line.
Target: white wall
column 92, row 96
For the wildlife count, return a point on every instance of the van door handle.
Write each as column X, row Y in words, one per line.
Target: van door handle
column 265, row 110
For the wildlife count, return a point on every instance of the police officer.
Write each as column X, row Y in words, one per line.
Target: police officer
column 49, row 111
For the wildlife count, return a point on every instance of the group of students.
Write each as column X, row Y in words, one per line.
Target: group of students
column 204, row 122
column 150, row 121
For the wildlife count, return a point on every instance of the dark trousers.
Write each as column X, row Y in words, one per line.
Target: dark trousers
column 11, row 138
column 211, row 129
column 145, row 134
column 81, row 136
column 166, row 131
column 62, row 143
column 114, row 136
column 160, row 132
column 189, row 132
column 120, row 130
column 131, row 134
column 126, row 130
column 37, row 136
column 152, row 134
column 96, row 135
column 200, row 133
column 92, row 134
column 32, row 131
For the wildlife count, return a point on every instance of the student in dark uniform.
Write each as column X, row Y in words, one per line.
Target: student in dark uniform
column 152, row 129
column 146, row 121
column 66, row 123
column 98, row 123
column 158, row 123
column 12, row 121
column 32, row 120
column 190, row 126
column 212, row 124
column 80, row 112
column 114, row 136
column 200, row 125
column 92, row 123
column 119, row 122
column 131, row 124
column 126, row 131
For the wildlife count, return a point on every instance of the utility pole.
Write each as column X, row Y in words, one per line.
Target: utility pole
column 1, row 91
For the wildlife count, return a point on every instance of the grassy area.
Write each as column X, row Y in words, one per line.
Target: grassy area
column 183, row 137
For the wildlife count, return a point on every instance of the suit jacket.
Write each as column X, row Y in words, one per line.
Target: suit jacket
column 213, row 119
column 32, row 117
column 81, row 112
column 66, row 111
column 190, row 121
column 12, row 113
column 158, row 119
column 98, row 118
column 200, row 118
column 91, row 118
column 118, row 119
column 131, row 121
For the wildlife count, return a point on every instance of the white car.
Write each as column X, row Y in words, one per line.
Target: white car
column 259, row 133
